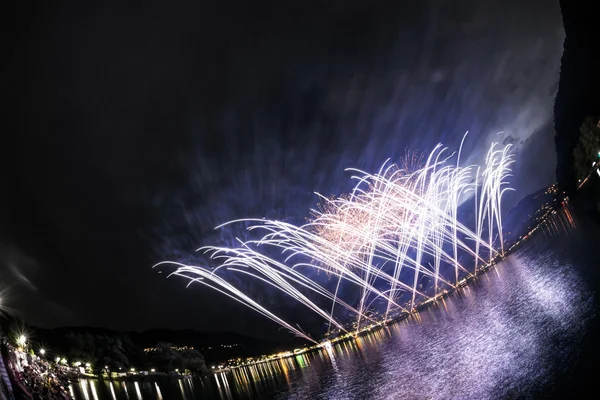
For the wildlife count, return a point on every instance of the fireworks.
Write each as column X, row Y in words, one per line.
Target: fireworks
column 396, row 229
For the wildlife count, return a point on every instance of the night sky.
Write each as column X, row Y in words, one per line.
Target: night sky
column 136, row 129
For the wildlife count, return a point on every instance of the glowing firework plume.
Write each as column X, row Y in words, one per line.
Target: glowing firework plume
column 396, row 228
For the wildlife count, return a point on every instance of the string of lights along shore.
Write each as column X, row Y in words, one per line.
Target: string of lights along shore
column 396, row 237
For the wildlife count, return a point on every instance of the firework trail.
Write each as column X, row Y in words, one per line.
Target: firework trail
column 396, row 227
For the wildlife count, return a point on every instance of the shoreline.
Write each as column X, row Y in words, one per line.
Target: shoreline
column 327, row 343
column 468, row 279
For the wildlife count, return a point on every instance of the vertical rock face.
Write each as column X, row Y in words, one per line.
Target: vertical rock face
column 579, row 87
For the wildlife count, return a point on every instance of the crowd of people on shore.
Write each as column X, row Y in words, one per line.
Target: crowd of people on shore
column 43, row 382
column 25, row 376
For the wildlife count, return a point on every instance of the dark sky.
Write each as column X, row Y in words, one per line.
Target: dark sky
column 136, row 128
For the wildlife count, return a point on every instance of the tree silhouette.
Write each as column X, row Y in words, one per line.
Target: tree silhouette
column 588, row 148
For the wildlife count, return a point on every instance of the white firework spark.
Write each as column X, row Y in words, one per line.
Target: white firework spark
column 395, row 228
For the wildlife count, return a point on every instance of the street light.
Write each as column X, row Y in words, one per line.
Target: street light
column 22, row 340
column 42, row 351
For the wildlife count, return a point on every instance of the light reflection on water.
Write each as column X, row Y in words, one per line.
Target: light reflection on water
column 512, row 332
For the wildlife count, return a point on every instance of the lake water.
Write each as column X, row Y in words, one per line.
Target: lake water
column 523, row 329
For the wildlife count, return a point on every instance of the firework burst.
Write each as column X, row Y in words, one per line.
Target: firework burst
column 397, row 228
